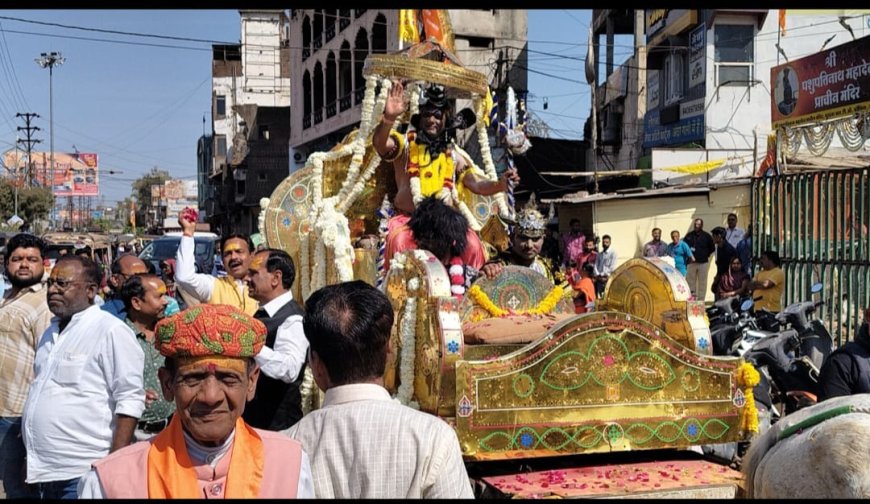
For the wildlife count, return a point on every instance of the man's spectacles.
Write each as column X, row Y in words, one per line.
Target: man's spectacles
column 61, row 284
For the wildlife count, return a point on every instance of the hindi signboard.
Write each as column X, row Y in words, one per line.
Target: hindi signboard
column 822, row 86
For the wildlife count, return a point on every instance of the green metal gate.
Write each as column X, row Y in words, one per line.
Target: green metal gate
column 818, row 223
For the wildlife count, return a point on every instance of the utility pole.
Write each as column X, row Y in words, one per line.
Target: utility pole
column 51, row 60
column 29, row 141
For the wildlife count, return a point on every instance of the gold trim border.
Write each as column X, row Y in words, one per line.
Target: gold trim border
column 446, row 74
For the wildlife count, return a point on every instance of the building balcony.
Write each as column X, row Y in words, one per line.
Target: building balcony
column 306, row 52
column 318, row 43
column 318, row 116
column 306, row 121
column 344, row 102
column 331, row 109
column 358, row 95
column 330, row 32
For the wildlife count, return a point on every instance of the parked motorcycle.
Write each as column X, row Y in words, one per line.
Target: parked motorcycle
column 792, row 358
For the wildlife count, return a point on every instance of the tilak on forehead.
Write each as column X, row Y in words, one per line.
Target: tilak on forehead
column 258, row 261
column 232, row 246
column 63, row 270
column 211, row 364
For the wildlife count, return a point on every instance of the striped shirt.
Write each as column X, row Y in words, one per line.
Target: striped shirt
column 23, row 319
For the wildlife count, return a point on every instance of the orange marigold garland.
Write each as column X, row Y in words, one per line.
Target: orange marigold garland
column 747, row 378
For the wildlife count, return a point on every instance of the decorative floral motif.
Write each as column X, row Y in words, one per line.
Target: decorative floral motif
column 703, row 343
column 544, row 307
column 453, row 347
column 608, row 360
column 526, row 440
column 464, row 408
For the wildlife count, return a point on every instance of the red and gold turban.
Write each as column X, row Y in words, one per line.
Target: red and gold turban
column 210, row 330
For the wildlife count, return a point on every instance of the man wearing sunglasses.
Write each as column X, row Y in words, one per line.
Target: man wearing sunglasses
column 87, row 393
column 426, row 164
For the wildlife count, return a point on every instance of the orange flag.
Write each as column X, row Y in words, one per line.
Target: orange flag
column 782, row 22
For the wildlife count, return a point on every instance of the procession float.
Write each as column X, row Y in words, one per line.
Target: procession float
column 508, row 364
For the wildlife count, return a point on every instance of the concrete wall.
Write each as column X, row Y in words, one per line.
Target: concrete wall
column 630, row 221
column 263, row 83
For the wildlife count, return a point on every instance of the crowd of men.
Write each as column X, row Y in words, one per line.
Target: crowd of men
column 121, row 400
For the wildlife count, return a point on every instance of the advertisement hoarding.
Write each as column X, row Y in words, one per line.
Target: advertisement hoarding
column 74, row 174
column 825, row 85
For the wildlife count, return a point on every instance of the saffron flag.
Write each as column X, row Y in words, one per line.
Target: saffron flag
column 782, row 22
column 132, row 214
column 436, row 25
column 408, row 31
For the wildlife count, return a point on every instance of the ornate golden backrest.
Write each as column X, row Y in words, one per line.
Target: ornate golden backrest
column 599, row 382
column 652, row 289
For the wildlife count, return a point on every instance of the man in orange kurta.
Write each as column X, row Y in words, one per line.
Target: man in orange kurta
column 207, row 450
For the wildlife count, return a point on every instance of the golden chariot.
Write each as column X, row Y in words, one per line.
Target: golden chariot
column 635, row 374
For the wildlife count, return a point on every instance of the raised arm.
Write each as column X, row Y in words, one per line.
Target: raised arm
column 186, row 277
column 385, row 145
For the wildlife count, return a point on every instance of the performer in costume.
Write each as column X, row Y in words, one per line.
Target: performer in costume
column 526, row 242
column 207, row 450
column 426, row 164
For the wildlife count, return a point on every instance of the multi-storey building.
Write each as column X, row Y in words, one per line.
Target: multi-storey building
column 252, row 75
column 328, row 50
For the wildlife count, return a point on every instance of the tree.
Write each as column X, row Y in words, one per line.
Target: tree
column 33, row 202
column 142, row 193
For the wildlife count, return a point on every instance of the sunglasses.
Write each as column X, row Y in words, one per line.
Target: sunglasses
column 436, row 113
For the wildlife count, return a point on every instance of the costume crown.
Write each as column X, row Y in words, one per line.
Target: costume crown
column 530, row 222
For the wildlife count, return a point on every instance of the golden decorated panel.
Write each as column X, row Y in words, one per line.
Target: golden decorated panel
column 655, row 291
column 417, row 275
column 599, row 382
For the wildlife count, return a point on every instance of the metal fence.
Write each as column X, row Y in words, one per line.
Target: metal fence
column 818, row 223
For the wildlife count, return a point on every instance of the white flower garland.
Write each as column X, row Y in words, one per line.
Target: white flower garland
column 416, row 190
column 261, row 219
column 486, row 155
column 406, row 362
column 360, row 185
column 304, row 267
column 414, row 98
column 365, row 126
column 333, row 231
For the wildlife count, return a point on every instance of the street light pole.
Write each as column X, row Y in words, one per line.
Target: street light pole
column 50, row 60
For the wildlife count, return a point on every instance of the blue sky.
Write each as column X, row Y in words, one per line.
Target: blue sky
column 140, row 106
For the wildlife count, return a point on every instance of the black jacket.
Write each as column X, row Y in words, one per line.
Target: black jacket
column 702, row 245
column 276, row 405
column 847, row 370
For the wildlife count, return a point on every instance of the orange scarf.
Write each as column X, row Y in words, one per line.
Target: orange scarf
column 171, row 474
